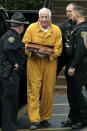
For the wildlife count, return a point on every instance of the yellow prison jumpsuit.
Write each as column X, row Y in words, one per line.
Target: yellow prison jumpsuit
column 41, row 72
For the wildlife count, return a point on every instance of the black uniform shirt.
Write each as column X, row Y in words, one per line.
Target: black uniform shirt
column 66, row 28
column 80, row 51
column 13, row 47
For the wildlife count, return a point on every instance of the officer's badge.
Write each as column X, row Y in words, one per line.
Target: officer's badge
column 83, row 34
column 11, row 39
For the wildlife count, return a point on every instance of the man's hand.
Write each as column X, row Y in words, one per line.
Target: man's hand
column 71, row 71
column 16, row 66
column 40, row 53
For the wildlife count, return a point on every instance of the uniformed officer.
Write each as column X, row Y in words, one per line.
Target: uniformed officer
column 67, row 27
column 13, row 51
column 4, row 26
column 78, row 67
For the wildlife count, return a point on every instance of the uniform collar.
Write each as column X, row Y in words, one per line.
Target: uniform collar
column 14, row 31
column 84, row 22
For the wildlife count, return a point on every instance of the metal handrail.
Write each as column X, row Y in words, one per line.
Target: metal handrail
column 48, row 4
column 45, row 1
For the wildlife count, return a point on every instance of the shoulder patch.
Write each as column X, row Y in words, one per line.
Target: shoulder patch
column 11, row 39
column 83, row 34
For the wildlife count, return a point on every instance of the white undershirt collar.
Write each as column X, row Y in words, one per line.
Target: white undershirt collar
column 45, row 30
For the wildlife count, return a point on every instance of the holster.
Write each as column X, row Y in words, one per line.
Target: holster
column 5, row 69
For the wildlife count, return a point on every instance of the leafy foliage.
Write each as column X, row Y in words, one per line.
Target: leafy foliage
column 21, row 4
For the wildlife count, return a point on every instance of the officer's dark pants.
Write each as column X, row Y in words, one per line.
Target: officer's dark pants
column 81, row 93
column 75, row 95
column 0, row 104
column 0, row 108
column 10, row 102
column 81, row 101
column 74, row 109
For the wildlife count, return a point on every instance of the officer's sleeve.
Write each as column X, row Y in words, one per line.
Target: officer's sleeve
column 57, row 45
column 80, row 49
column 9, row 48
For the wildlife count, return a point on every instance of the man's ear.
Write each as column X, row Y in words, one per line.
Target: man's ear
column 77, row 15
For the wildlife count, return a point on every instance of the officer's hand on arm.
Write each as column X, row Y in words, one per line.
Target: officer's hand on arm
column 16, row 66
column 71, row 71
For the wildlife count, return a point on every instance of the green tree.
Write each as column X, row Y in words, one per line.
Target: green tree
column 21, row 4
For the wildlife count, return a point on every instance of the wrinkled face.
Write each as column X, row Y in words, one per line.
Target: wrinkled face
column 44, row 19
column 69, row 10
